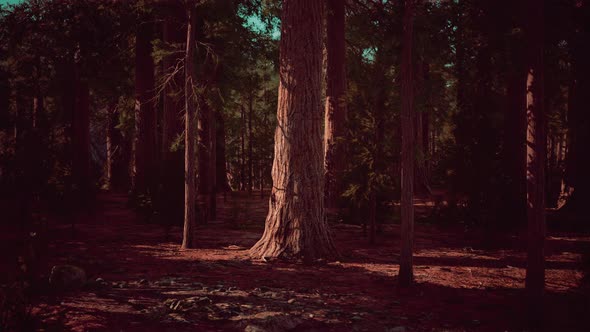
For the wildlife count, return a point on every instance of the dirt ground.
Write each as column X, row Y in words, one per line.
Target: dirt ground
column 142, row 281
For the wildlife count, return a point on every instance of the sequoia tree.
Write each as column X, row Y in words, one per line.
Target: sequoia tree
column 296, row 227
column 336, row 109
column 406, row 273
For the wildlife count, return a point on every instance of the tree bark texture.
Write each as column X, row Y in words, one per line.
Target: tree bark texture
column 296, row 227
column 406, row 273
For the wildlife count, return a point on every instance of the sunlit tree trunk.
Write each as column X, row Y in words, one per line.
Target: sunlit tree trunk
column 296, row 226
column 188, row 239
column 536, row 155
column 406, row 273
column 336, row 106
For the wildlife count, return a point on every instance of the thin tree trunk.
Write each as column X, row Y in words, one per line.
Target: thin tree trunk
column 536, row 155
column 406, row 273
column 336, row 106
column 188, row 239
column 296, row 226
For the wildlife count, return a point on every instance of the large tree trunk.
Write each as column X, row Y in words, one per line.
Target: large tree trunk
column 188, row 239
column 145, row 148
column 406, row 273
column 336, row 106
column 536, row 155
column 296, row 226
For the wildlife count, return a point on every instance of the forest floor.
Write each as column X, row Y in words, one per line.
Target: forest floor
column 465, row 281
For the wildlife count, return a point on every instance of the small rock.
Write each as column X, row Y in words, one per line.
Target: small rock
column 291, row 301
column 99, row 280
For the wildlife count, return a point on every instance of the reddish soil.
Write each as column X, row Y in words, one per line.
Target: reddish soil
column 151, row 285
